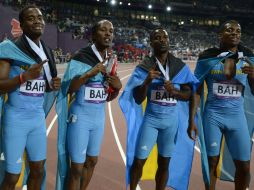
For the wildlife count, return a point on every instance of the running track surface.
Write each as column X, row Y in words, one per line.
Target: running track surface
column 109, row 173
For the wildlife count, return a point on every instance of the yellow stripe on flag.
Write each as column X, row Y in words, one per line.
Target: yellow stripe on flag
column 150, row 167
column 22, row 174
column 219, row 166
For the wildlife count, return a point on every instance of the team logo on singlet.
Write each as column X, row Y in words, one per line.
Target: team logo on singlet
column 95, row 93
column 33, row 87
column 162, row 97
column 227, row 90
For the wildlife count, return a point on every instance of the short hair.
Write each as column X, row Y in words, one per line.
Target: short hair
column 153, row 32
column 22, row 12
column 96, row 26
column 222, row 27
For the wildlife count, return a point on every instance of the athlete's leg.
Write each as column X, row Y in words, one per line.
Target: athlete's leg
column 166, row 144
column 93, row 150
column 74, row 176
column 213, row 162
column 36, row 174
column 213, row 136
column 9, row 181
column 14, row 142
column 87, row 172
column 145, row 142
column 77, row 141
column 239, row 144
column 136, row 172
column 36, row 147
column 162, row 172
column 242, row 174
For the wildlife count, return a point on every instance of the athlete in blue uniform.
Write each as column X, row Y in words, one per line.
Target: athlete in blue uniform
column 160, row 122
column 224, row 114
column 23, row 79
column 86, row 118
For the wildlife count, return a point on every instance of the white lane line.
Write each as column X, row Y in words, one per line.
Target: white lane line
column 51, row 125
column 124, row 70
column 125, row 77
column 115, row 133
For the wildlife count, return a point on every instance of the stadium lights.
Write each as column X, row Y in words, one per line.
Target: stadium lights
column 112, row 2
column 168, row 8
column 150, row 6
column 120, row 3
column 129, row 4
column 98, row 0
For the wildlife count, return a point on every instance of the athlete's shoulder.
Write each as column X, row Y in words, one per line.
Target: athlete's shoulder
column 86, row 56
column 246, row 51
column 175, row 60
column 209, row 53
column 147, row 63
column 82, row 52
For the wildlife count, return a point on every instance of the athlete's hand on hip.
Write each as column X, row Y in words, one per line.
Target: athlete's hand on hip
column 34, row 71
column 152, row 74
column 56, row 83
column 114, row 81
column 169, row 87
column 249, row 70
column 192, row 131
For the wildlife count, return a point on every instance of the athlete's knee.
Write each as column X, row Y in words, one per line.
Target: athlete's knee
column 242, row 167
column 76, row 170
column 163, row 163
column 213, row 162
column 138, row 163
column 36, row 169
column 36, row 173
column 10, row 179
column 91, row 161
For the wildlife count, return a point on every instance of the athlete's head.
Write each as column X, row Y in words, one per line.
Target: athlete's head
column 230, row 34
column 102, row 34
column 159, row 40
column 31, row 21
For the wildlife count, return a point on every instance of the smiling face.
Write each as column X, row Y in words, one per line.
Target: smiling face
column 230, row 36
column 160, row 41
column 103, row 35
column 32, row 23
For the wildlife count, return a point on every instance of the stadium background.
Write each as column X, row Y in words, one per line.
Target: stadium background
column 192, row 27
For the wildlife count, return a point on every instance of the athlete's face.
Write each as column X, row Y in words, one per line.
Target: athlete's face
column 104, row 35
column 160, row 41
column 231, row 35
column 33, row 23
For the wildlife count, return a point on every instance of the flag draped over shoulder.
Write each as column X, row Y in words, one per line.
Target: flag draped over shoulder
column 226, row 168
column 8, row 50
column 181, row 161
column 82, row 62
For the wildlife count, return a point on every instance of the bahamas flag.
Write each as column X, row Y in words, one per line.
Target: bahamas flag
column 226, row 168
column 8, row 50
column 181, row 161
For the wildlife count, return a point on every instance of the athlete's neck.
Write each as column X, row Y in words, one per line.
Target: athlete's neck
column 101, row 50
column 162, row 57
column 36, row 40
column 227, row 48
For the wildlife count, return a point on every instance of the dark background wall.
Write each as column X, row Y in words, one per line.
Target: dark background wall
column 51, row 36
